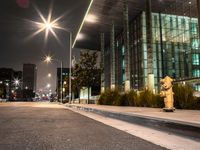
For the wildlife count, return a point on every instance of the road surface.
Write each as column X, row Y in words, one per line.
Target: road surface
column 45, row 126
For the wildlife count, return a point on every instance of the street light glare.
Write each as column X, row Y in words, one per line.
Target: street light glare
column 47, row 25
column 91, row 18
column 16, row 82
column 49, row 75
column 48, row 85
column 80, row 36
column 48, row 59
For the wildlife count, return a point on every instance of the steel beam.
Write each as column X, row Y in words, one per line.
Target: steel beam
column 126, row 46
column 149, row 37
column 150, row 79
column 112, row 49
column 198, row 9
column 102, row 62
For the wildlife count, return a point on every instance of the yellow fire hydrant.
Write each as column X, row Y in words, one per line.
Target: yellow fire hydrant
column 167, row 93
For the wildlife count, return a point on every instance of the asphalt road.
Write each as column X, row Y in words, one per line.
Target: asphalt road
column 44, row 126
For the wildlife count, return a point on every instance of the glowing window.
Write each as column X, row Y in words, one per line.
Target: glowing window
column 195, row 59
column 196, row 73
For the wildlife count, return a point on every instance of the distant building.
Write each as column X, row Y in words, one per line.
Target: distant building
column 17, row 75
column 7, row 82
column 6, row 74
column 65, row 76
column 29, row 79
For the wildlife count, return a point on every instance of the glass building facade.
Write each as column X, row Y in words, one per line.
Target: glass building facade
column 175, row 45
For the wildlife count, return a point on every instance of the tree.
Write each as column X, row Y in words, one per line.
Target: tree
column 86, row 72
column 75, row 81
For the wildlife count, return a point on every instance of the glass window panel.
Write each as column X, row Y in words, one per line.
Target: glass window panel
column 195, row 59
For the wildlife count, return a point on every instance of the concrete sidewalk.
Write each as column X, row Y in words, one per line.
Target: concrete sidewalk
column 189, row 116
column 181, row 122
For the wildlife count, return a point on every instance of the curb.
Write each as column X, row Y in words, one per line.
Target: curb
column 185, row 129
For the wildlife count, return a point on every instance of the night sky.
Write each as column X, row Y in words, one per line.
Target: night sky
column 16, row 46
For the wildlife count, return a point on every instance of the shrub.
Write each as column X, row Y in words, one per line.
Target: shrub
column 132, row 98
column 127, row 99
column 109, row 97
column 159, row 101
column 122, row 100
column 145, row 98
column 148, row 99
column 183, row 96
column 113, row 97
column 196, row 104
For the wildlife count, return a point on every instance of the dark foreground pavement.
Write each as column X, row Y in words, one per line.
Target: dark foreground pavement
column 44, row 126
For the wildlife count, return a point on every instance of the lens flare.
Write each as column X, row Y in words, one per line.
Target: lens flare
column 48, row 25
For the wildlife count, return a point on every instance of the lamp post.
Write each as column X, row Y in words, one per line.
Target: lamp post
column 48, row 25
column 61, row 81
column 70, row 68
column 49, row 59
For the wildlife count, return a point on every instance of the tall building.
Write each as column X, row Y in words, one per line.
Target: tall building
column 149, row 39
column 175, row 50
column 29, row 77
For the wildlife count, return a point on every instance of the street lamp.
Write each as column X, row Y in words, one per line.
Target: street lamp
column 49, row 25
column 49, row 75
column 48, row 85
column 16, row 82
column 48, row 59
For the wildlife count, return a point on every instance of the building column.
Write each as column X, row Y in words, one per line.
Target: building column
column 127, row 47
column 150, row 78
column 112, row 49
column 102, row 62
column 198, row 9
column 161, row 46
